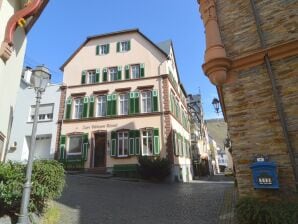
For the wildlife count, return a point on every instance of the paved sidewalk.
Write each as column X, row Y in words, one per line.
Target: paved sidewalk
column 90, row 200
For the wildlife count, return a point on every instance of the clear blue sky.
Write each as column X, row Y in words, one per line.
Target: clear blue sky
column 64, row 25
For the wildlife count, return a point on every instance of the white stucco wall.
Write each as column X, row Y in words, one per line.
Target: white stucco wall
column 22, row 127
column 10, row 72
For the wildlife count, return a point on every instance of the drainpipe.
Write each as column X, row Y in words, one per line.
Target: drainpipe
column 276, row 96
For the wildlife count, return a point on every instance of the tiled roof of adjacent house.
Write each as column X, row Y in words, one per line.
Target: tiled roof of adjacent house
column 165, row 46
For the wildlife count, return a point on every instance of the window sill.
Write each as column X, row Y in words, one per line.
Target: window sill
column 29, row 122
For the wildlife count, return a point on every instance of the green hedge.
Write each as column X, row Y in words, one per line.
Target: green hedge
column 154, row 168
column 48, row 181
column 253, row 211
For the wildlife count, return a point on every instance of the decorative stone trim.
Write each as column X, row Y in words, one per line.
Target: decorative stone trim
column 100, row 92
column 78, row 94
column 112, row 117
column 123, row 89
column 216, row 62
column 257, row 58
column 112, row 82
column 145, row 87
column 60, row 119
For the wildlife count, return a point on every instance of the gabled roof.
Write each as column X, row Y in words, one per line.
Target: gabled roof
column 107, row 35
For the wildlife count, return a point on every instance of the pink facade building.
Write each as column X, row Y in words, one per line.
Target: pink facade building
column 122, row 98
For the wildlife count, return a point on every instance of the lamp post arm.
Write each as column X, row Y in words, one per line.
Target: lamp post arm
column 24, row 216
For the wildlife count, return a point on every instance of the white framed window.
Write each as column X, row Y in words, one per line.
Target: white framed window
column 91, row 76
column 45, row 112
column 75, row 145
column 103, row 49
column 124, row 46
column 146, row 102
column 101, row 106
column 78, row 108
column 113, row 73
column 147, row 142
column 122, row 144
column 123, row 104
column 135, row 71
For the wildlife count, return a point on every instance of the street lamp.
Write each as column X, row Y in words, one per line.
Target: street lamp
column 216, row 105
column 39, row 79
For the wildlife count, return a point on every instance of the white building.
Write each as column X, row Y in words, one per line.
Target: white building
column 13, row 30
column 19, row 143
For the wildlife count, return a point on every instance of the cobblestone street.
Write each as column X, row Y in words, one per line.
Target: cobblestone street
column 91, row 200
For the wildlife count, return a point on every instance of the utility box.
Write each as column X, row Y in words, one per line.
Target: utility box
column 264, row 175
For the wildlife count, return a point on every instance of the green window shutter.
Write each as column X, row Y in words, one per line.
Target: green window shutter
column 119, row 75
column 137, row 102
column 113, row 143
column 128, row 45
column 142, row 72
column 155, row 100
column 108, row 48
column 68, row 108
column 114, row 104
column 180, row 146
column 109, row 108
column 97, row 75
column 91, row 106
column 83, row 79
column 85, row 107
column 174, row 139
column 85, row 146
column 118, row 46
column 127, row 76
column 105, row 75
column 184, row 147
column 156, row 141
column 137, row 142
column 131, row 103
column 62, row 152
column 131, row 142
column 97, row 50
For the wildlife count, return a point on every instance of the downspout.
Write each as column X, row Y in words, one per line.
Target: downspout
column 276, row 96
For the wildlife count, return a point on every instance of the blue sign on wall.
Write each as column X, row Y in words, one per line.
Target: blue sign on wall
column 264, row 175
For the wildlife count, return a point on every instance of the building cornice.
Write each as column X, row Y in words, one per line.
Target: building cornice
column 117, row 81
column 255, row 58
column 111, row 118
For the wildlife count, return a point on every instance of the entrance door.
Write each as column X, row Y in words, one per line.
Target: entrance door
column 100, row 150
